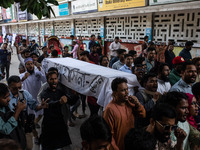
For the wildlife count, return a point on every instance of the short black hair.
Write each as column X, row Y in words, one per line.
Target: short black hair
column 85, row 53
column 137, row 65
column 195, row 60
column 173, row 98
column 34, row 54
column 23, row 40
column 66, row 47
column 52, row 69
column 161, row 66
column 95, row 128
column 185, row 64
column 132, row 52
column 54, row 53
column 9, row 144
column 196, row 89
column 3, row 89
column 101, row 58
column 145, row 37
column 139, row 139
column 50, row 73
column 120, row 51
column 161, row 110
column 51, row 46
column 189, row 43
column 92, row 35
column 71, row 36
column 116, row 82
column 151, row 43
column 146, row 78
column 99, row 37
column 116, row 38
column 150, row 49
column 139, row 60
column 128, row 55
column 15, row 79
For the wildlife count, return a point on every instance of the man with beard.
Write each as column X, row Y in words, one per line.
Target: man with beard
column 163, row 78
column 23, row 46
column 151, row 52
column 147, row 97
column 139, row 71
column 128, row 63
column 121, row 111
column 94, row 57
column 175, row 74
column 185, row 53
column 162, row 124
column 32, row 81
column 179, row 102
column 118, row 64
column 189, row 74
column 54, row 129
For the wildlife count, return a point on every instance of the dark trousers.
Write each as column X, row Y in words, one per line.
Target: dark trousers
column 7, row 66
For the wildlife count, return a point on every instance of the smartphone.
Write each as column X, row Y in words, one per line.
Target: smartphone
column 21, row 95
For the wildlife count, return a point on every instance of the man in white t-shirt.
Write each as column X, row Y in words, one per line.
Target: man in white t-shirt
column 114, row 46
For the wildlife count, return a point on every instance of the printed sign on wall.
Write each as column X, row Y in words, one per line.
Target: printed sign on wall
column 63, row 9
column 104, row 5
column 84, row 6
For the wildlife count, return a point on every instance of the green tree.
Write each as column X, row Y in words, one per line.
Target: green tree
column 40, row 8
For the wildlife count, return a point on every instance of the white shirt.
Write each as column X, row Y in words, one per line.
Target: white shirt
column 114, row 46
column 34, row 82
column 163, row 86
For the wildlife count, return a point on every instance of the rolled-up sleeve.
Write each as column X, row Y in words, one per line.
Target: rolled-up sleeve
column 7, row 127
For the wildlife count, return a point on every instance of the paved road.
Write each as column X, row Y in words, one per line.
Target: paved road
column 73, row 131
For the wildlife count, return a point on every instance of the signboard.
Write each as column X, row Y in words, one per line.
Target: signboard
column 1, row 15
column 84, row 6
column 88, row 79
column 6, row 14
column 148, row 33
column 63, row 9
column 158, row 2
column 104, row 5
column 22, row 15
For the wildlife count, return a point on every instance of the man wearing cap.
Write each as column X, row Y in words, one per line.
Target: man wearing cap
column 175, row 74
column 185, row 53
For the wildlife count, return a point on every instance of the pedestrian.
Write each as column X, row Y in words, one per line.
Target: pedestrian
column 114, row 46
column 185, row 53
column 120, row 113
column 189, row 74
column 54, row 129
column 10, row 125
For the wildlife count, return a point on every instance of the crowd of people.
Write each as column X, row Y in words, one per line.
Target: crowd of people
column 162, row 113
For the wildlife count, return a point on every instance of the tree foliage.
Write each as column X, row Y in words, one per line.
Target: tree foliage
column 40, row 8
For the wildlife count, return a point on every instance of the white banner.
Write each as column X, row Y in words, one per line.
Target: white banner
column 88, row 79
column 84, row 6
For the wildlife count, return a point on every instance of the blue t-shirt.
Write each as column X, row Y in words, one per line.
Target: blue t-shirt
column 3, row 56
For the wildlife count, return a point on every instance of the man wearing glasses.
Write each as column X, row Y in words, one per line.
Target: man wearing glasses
column 179, row 102
column 162, row 124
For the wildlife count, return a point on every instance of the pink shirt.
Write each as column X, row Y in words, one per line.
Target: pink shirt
column 74, row 51
column 1, row 39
